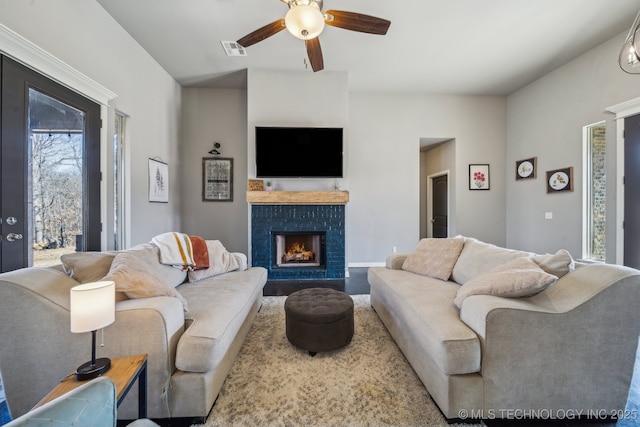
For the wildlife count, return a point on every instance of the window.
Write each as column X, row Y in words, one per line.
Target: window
column 595, row 194
column 118, row 181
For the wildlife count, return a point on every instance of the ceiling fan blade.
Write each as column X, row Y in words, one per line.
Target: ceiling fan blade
column 262, row 33
column 314, row 52
column 356, row 22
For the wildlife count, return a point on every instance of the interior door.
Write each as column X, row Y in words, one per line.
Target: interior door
column 440, row 210
column 632, row 191
column 50, row 169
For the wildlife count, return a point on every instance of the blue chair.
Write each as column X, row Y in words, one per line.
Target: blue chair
column 91, row 405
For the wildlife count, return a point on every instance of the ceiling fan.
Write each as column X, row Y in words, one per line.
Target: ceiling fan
column 305, row 20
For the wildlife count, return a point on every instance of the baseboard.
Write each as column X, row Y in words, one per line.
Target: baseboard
column 366, row 264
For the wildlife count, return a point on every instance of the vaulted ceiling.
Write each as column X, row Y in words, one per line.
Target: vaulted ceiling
column 468, row 47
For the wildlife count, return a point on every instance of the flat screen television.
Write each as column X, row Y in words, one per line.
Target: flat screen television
column 298, row 152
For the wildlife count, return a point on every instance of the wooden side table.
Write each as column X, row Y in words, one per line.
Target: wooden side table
column 124, row 372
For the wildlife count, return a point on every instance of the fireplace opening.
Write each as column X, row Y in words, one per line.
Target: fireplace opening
column 298, row 249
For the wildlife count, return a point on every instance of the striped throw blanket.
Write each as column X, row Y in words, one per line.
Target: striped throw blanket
column 175, row 249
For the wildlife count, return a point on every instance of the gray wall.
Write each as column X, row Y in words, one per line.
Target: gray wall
column 67, row 29
column 210, row 115
column 545, row 119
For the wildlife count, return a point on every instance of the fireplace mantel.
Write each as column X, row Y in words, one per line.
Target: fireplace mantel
column 298, row 197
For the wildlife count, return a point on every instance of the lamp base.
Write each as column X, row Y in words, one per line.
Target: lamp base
column 90, row 370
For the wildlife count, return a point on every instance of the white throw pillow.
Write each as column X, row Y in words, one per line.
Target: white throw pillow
column 220, row 261
column 434, row 257
column 557, row 264
column 521, row 277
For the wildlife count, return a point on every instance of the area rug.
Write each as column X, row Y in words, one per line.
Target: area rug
column 367, row 383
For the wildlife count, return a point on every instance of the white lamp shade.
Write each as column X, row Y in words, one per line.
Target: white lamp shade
column 304, row 21
column 93, row 306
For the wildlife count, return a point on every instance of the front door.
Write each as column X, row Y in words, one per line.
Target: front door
column 440, row 210
column 632, row 191
column 50, row 170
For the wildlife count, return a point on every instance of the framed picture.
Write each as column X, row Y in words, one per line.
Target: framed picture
column 255, row 185
column 560, row 180
column 158, row 181
column 526, row 168
column 479, row 177
column 217, row 179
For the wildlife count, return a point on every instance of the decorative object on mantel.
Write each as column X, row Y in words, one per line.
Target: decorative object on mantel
column 560, row 180
column 335, row 186
column 158, row 181
column 629, row 58
column 479, row 177
column 269, row 186
column 255, row 185
column 215, row 150
column 217, row 179
column 526, row 169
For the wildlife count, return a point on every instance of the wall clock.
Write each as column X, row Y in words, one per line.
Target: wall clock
column 560, row 180
column 526, row 169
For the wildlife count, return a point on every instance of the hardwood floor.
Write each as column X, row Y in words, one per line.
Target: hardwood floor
column 355, row 284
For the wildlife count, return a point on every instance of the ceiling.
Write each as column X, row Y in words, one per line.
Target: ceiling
column 466, row 47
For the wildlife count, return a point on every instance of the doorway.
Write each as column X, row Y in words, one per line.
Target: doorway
column 50, row 162
column 438, row 205
column 631, row 193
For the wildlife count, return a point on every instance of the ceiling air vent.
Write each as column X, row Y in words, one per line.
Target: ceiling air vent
column 233, row 49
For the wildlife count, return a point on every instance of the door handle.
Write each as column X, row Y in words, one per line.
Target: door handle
column 13, row 237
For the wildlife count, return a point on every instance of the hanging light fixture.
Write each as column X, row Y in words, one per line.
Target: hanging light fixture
column 304, row 19
column 629, row 58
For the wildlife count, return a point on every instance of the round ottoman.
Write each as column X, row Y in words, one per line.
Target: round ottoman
column 319, row 319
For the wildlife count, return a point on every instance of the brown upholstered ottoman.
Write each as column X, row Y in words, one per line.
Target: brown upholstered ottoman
column 319, row 319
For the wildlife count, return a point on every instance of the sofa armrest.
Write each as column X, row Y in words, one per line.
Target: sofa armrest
column 395, row 261
column 242, row 260
column 578, row 339
column 153, row 326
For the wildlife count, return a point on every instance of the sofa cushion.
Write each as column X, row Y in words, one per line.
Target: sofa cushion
column 520, row 277
column 218, row 306
column 138, row 273
column 479, row 257
column 220, row 261
column 557, row 264
column 434, row 257
column 87, row 267
column 422, row 308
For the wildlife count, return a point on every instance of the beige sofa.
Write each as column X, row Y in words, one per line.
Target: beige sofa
column 189, row 353
column 566, row 349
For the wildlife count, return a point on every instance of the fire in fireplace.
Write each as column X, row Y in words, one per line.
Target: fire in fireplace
column 298, row 249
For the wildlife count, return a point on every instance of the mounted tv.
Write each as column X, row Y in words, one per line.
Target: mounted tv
column 298, row 152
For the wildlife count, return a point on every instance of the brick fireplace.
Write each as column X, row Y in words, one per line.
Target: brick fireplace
column 298, row 239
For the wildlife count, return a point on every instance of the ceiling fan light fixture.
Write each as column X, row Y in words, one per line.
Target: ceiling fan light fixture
column 629, row 58
column 304, row 21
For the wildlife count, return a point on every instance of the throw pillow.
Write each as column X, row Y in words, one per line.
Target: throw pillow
column 557, row 264
column 135, row 276
column 87, row 267
column 220, row 261
column 521, row 277
column 434, row 257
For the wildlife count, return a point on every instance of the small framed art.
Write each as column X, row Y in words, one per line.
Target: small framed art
column 479, row 177
column 560, row 180
column 217, row 179
column 526, row 168
column 158, row 181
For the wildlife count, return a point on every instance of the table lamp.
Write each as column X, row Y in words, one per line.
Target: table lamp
column 93, row 306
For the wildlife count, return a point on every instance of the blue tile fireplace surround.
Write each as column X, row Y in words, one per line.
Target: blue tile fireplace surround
column 325, row 222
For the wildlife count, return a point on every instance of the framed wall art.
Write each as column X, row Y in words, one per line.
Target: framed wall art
column 559, row 180
column 158, row 181
column 479, row 177
column 526, row 168
column 217, row 179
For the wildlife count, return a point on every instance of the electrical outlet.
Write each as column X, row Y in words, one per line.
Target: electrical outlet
column 394, row 249
column 548, row 215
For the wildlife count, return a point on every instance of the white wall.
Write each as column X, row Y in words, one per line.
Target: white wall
column 84, row 36
column 545, row 119
column 384, row 168
column 210, row 115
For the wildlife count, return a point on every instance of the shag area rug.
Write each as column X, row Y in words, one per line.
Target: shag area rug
column 367, row 383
